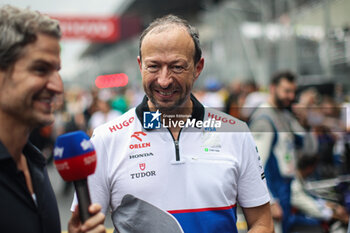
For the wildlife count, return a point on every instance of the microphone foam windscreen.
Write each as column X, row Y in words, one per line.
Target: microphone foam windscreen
column 75, row 156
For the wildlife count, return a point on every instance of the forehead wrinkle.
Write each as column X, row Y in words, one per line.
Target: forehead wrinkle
column 176, row 42
column 166, row 27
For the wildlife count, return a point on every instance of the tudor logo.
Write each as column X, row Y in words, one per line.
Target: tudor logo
column 138, row 134
column 142, row 174
column 142, row 166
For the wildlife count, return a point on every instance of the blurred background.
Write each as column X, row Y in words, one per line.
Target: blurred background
column 241, row 39
column 244, row 42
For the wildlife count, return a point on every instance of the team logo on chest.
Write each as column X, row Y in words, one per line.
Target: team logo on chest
column 211, row 142
column 139, row 135
column 142, row 173
column 142, row 166
column 142, row 155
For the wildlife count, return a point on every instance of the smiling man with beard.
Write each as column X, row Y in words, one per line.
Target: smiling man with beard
column 196, row 175
column 280, row 140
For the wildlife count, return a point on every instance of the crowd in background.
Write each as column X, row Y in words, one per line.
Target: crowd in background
column 326, row 115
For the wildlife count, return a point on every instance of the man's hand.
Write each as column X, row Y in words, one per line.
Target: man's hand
column 276, row 211
column 93, row 224
column 339, row 213
column 259, row 219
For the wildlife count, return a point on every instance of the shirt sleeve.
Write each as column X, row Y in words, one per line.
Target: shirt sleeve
column 252, row 189
column 307, row 204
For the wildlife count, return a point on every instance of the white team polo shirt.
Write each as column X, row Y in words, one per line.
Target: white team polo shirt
column 199, row 179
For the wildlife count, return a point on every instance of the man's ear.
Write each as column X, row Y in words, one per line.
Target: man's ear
column 199, row 67
column 140, row 62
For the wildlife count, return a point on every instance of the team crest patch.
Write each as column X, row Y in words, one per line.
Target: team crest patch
column 142, row 166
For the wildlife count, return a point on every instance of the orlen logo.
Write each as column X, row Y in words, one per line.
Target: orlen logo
column 138, row 135
column 119, row 126
column 223, row 119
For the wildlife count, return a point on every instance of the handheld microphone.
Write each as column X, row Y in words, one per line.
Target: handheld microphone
column 75, row 159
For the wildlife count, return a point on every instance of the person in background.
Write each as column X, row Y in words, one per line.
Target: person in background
column 29, row 84
column 253, row 97
column 104, row 111
column 212, row 95
column 323, row 115
column 234, row 100
column 280, row 138
column 315, row 210
column 119, row 101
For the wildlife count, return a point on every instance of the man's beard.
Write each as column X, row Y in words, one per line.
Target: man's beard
column 281, row 105
column 174, row 108
column 169, row 109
